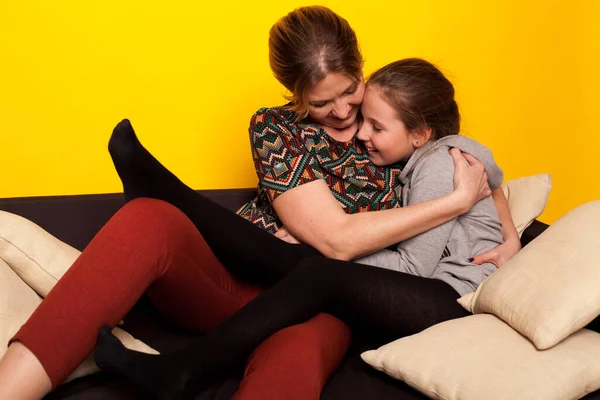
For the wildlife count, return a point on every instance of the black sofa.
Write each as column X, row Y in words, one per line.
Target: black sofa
column 76, row 219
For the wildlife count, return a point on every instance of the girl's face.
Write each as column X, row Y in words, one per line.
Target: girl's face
column 334, row 101
column 384, row 135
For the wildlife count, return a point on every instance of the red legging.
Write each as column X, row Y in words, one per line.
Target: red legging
column 150, row 246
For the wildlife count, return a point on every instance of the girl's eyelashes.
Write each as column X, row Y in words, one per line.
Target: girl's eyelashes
column 376, row 128
column 318, row 105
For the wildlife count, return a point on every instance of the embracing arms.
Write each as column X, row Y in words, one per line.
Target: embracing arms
column 312, row 215
column 427, row 246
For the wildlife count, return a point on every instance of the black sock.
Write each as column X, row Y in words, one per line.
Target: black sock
column 151, row 372
column 180, row 374
column 249, row 252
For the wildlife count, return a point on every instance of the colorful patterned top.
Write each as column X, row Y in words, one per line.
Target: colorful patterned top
column 288, row 154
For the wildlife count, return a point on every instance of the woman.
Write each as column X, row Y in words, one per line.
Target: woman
column 180, row 260
column 410, row 116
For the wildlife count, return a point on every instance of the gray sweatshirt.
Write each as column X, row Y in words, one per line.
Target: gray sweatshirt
column 442, row 252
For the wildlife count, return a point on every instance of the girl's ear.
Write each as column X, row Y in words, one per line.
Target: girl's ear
column 420, row 137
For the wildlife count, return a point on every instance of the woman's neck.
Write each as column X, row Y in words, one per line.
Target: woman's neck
column 342, row 135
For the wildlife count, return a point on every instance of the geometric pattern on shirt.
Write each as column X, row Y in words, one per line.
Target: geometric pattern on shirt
column 288, row 154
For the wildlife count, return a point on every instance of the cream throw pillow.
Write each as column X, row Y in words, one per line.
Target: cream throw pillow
column 527, row 198
column 31, row 262
column 37, row 257
column 17, row 303
column 480, row 357
column 551, row 288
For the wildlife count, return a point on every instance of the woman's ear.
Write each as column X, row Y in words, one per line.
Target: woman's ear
column 420, row 137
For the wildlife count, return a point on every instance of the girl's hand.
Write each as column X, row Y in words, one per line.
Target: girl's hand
column 470, row 179
column 500, row 254
column 284, row 235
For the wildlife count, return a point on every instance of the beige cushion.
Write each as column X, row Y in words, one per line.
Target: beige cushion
column 37, row 257
column 551, row 288
column 527, row 198
column 31, row 262
column 17, row 303
column 480, row 357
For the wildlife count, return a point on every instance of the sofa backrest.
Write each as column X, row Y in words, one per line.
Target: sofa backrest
column 76, row 219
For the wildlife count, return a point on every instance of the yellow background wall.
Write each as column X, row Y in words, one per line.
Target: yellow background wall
column 189, row 74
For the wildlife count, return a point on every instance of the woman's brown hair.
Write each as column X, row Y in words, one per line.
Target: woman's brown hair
column 421, row 94
column 307, row 44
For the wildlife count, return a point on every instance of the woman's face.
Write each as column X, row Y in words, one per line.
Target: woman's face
column 384, row 135
column 335, row 100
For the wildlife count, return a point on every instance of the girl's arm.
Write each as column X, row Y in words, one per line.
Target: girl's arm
column 421, row 254
column 512, row 243
column 313, row 216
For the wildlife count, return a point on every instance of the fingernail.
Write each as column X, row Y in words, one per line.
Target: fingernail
column 470, row 260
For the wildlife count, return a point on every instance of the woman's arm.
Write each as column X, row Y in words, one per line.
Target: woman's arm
column 313, row 216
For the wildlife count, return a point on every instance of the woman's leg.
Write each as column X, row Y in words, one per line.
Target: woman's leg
column 248, row 251
column 296, row 362
column 22, row 376
column 388, row 301
column 148, row 243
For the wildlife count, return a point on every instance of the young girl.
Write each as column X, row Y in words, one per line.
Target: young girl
column 409, row 115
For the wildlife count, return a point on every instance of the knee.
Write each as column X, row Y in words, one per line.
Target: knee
column 153, row 219
column 324, row 338
column 153, row 212
column 296, row 362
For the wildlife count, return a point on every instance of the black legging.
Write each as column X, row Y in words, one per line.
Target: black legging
column 391, row 303
column 249, row 252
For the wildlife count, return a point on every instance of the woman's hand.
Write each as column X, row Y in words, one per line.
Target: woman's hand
column 500, row 254
column 284, row 235
column 470, row 179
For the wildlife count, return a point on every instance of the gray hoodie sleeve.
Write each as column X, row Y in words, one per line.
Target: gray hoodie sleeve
column 482, row 153
column 433, row 177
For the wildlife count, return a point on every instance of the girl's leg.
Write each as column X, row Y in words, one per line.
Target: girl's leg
column 248, row 251
column 148, row 243
column 384, row 300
